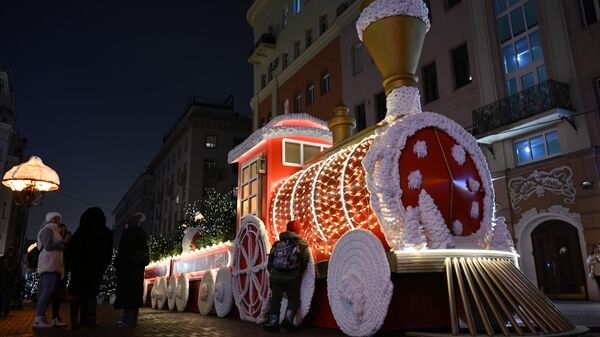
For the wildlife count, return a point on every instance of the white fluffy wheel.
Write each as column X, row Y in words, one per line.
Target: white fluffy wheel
column 183, row 291
column 307, row 289
column 171, row 292
column 250, row 276
column 359, row 287
column 206, row 292
column 223, row 295
column 154, row 294
column 161, row 295
column 145, row 293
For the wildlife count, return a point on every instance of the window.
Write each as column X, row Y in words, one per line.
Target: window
column 323, row 24
column 284, row 19
column 460, row 63
column 381, row 106
column 308, row 37
column 249, row 188
column 297, row 7
column 537, row 147
column 210, row 165
column 325, row 82
column 298, row 102
column 451, row 3
column 296, row 153
column 296, row 49
column 361, row 117
column 430, row 85
column 358, row 59
column 590, row 10
column 210, row 142
column 310, row 93
column 284, row 60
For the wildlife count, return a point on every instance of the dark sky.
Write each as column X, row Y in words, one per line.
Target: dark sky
column 97, row 83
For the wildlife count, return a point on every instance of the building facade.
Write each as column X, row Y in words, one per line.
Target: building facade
column 192, row 158
column 520, row 74
column 12, row 146
column 138, row 199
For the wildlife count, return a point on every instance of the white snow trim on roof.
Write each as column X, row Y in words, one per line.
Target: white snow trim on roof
column 380, row 9
column 383, row 178
column 276, row 132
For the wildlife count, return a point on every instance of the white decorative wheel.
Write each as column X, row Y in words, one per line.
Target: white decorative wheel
column 183, row 291
column 358, row 283
column 250, row 276
column 307, row 289
column 145, row 293
column 207, row 292
column 161, row 296
column 154, row 294
column 171, row 292
column 223, row 296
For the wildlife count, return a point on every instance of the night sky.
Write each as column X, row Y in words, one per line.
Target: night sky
column 98, row 83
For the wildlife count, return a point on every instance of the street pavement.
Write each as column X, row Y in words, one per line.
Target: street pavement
column 165, row 323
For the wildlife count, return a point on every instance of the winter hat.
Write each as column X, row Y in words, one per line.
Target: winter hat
column 294, row 226
column 137, row 219
column 51, row 215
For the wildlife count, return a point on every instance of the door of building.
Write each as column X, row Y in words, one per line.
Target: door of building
column 558, row 261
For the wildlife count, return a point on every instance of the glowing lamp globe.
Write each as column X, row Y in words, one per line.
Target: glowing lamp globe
column 32, row 175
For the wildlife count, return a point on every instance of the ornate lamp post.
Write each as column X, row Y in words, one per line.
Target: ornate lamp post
column 30, row 181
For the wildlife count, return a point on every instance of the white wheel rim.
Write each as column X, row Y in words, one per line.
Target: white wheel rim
column 182, row 293
column 206, row 292
column 171, row 292
column 223, row 295
column 359, row 287
column 162, row 293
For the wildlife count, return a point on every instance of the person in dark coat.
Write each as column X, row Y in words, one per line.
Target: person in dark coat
column 88, row 253
column 288, row 260
column 132, row 256
column 8, row 273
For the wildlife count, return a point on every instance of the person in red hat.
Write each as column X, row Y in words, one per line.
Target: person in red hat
column 287, row 262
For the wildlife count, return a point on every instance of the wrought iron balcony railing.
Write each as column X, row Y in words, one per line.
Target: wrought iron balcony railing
column 266, row 38
column 523, row 104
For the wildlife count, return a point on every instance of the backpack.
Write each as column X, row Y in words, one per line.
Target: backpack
column 32, row 258
column 286, row 255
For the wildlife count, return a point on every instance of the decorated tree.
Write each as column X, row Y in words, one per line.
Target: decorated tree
column 413, row 236
column 501, row 239
column 161, row 247
column 108, row 286
column 436, row 231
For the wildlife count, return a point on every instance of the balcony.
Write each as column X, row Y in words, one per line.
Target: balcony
column 522, row 105
column 263, row 49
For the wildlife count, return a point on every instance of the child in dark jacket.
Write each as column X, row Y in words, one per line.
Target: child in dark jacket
column 288, row 260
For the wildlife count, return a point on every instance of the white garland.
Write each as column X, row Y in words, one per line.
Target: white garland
column 206, row 292
column 380, row 9
column 436, row 231
column 420, row 149
column 256, row 263
column 414, row 235
column 473, row 185
column 457, row 228
column 501, row 238
column 383, row 178
column 414, row 180
column 402, row 101
column 270, row 130
column 307, row 289
column 358, row 283
column 172, row 292
column 183, row 292
column 475, row 210
column 223, row 295
column 458, row 153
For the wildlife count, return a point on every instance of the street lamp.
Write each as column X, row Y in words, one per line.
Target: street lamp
column 30, row 181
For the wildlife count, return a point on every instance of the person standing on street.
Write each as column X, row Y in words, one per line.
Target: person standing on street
column 8, row 275
column 287, row 262
column 50, row 267
column 88, row 254
column 59, row 293
column 132, row 256
column 593, row 261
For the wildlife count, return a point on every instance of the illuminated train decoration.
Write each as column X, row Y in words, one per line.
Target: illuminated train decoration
column 399, row 217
